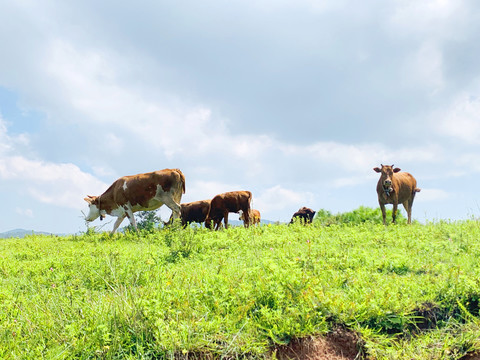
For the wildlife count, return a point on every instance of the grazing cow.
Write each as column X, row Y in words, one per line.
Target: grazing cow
column 254, row 217
column 395, row 187
column 305, row 214
column 140, row 192
column 222, row 204
column 195, row 211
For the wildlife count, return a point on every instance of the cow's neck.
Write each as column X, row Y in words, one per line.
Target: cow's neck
column 100, row 208
column 387, row 191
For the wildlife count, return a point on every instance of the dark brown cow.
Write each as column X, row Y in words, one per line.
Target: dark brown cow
column 140, row 192
column 222, row 204
column 254, row 217
column 195, row 211
column 305, row 214
column 395, row 187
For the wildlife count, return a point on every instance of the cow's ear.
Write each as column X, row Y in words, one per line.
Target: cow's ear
column 396, row 170
column 377, row 169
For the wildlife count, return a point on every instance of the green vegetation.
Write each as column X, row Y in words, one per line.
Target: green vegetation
column 146, row 220
column 411, row 292
column 358, row 216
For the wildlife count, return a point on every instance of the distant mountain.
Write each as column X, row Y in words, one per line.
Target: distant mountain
column 21, row 233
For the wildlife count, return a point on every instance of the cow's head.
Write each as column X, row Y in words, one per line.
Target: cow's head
column 94, row 208
column 387, row 172
column 208, row 222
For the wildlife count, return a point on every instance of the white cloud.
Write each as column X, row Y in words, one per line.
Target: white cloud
column 352, row 181
column 64, row 185
column 24, row 212
column 279, row 198
column 426, row 67
column 8, row 142
column 461, row 119
column 427, row 195
column 428, row 17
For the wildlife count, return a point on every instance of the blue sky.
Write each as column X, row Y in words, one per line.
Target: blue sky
column 295, row 101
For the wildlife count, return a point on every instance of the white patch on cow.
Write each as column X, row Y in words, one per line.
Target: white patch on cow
column 124, row 186
column 160, row 191
column 118, row 212
column 167, row 198
column 93, row 212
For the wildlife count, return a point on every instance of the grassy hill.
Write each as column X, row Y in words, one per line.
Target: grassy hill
column 406, row 292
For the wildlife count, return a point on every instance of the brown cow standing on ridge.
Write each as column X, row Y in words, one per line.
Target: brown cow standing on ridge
column 395, row 187
column 304, row 213
column 140, row 192
column 254, row 217
column 222, row 204
column 195, row 211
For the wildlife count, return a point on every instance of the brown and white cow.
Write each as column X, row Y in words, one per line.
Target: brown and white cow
column 395, row 187
column 195, row 211
column 222, row 204
column 254, row 217
column 140, row 192
column 305, row 214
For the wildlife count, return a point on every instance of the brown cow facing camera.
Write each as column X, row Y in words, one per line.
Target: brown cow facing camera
column 305, row 214
column 222, row 204
column 395, row 187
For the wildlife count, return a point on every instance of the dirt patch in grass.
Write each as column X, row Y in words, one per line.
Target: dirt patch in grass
column 427, row 316
column 340, row 344
column 472, row 356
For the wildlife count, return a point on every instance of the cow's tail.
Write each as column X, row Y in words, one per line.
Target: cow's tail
column 414, row 192
column 182, row 177
column 249, row 215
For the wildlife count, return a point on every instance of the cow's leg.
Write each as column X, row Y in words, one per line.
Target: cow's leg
column 408, row 208
column 384, row 213
column 131, row 217
column 394, row 212
column 247, row 218
column 218, row 223
column 225, row 219
column 117, row 223
column 172, row 205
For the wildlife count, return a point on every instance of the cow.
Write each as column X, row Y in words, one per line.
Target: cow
column 395, row 187
column 254, row 217
column 141, row 192
column 195, row 211
column 305, row 214
column 222, row 204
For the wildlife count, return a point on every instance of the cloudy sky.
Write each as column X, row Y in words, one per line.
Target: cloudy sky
column 296, row 101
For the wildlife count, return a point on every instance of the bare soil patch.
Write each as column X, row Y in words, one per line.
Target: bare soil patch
column 472, row 356
column 340, row 344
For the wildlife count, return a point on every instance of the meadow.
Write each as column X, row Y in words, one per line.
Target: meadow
column 407, row 292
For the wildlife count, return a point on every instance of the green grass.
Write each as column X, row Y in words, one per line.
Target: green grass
column 411, row 292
